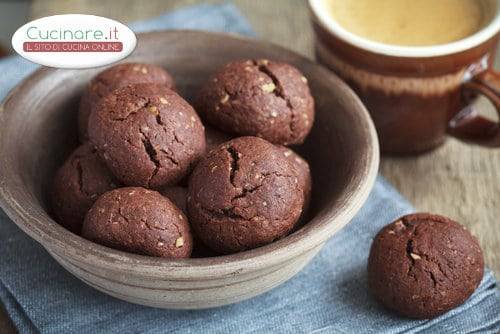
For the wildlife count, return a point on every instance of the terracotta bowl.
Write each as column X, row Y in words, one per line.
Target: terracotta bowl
column 38, row 130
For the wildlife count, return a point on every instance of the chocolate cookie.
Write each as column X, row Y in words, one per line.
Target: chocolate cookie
column 304, row 174
column 117, row 76
column 423, row 265
column 244, row 194
column 77, row 185
column 261, row 98
column 147, row 135
column 140, row 221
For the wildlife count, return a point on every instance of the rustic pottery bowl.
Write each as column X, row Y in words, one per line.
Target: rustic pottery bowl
column 38, row 130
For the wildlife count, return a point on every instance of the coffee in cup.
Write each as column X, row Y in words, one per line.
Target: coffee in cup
column 411, row 22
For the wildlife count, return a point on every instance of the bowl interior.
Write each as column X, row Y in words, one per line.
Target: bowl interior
column 38, row 131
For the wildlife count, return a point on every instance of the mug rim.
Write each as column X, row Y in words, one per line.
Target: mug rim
column 481, row 36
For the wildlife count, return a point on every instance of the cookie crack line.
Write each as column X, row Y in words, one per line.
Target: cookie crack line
column 279, row 92
column 229, row 213
column 438, row 265
column 413, row 257
column 152, row 154
column 176, row 139
column 428, row 258
column 79, row 170
column 235, row 157
column 144, row 103
column 224, row 213
column 160, row 122
column 433, row 278
column 409, row 250
column 150, row 227
column 246, row 191
column 123, row 215
column 234, row 167
column 169, row 156
column 232, row 96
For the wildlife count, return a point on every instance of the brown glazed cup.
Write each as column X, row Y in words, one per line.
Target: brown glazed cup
column 417, row 95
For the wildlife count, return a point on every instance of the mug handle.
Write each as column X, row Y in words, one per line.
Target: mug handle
column 467, row 125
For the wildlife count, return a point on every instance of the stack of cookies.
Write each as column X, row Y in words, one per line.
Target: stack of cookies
column 156, row 177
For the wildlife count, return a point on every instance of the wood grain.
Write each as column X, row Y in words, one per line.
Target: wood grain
column 457, row 180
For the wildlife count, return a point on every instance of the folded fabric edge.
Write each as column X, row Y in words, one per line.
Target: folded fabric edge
column 16, row 312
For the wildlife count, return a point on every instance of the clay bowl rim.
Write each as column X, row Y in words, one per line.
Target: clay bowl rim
column 54, row 238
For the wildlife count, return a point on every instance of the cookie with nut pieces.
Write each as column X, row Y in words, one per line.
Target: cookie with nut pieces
column 423, row 265
column 263, row 98
column 117, row 76
column 140, row 221
column 244, row 194
column 147, row 135
column 77, row 184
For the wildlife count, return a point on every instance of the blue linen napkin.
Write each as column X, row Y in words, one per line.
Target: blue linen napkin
column 329, row 296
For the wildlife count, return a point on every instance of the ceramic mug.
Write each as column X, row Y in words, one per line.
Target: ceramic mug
column 416, row 95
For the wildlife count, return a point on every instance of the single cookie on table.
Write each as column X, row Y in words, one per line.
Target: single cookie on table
column 423, row 265
column 140, row 221
column 117, row 76
column 147, row 135
column 304, row 173
column 244, row 194
column 262, row 98
column 77, row 184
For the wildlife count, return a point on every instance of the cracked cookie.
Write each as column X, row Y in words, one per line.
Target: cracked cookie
column 76, row 186
column 117, row 76
column 244, row 194
column 260, row 98
column 147, row 135
column 140, row 221
column 423, row 265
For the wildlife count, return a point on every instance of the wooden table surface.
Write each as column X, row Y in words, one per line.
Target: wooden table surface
column 457, row 180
